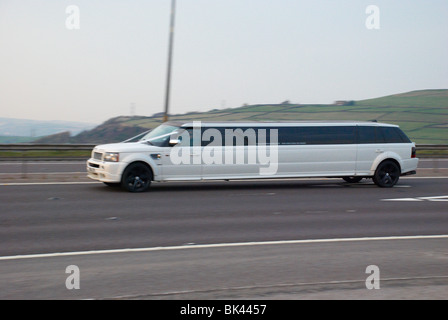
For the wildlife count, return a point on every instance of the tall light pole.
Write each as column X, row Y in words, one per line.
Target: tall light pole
column 170, row 59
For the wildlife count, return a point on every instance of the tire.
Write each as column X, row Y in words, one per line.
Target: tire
column 387, row 174
column 112, row 185
column 352, row 179
column 136, row 178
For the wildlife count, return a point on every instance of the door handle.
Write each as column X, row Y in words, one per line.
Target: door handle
column 379, row 150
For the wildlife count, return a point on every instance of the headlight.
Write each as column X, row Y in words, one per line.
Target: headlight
column 111, row 156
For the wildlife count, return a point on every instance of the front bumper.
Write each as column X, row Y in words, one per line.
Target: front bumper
column 104, row 171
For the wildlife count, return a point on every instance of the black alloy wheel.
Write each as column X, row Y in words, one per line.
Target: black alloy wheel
column 387, row 174
column 136, row 178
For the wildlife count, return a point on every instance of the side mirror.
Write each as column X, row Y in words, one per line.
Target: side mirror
column 174, row 142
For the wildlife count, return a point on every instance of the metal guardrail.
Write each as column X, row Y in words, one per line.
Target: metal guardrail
column 435, row 151
column 21, row 152
column 432, row 147
column 46, row 147
column 432, row 151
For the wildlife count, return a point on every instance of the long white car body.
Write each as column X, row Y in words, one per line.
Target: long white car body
column 252, row 150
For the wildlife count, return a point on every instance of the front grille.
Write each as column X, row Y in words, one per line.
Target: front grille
column 97, row 156
column 94, row 165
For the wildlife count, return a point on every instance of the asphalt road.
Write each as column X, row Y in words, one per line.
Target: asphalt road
column 74, row 217
column 231, row 240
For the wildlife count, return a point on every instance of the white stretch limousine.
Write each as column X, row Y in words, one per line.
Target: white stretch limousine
column 250, row 150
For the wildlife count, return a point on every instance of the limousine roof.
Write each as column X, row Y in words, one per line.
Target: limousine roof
column 278, row 123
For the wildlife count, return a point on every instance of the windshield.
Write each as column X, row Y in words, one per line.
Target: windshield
column 160, row 136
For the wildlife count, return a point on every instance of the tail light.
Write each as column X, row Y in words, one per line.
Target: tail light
column 414, row 152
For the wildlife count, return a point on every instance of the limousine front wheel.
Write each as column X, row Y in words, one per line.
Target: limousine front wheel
column 137, row 178
column 387, row 174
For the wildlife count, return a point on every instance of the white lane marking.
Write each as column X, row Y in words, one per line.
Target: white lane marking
column 220, row 245
column 402, row 199
column 432, row 168
column 440, row 177
column 44, row 183
column 435, row 198
column 41, row 173
column 20, row 163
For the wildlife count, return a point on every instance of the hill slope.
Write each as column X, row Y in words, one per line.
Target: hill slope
column 423, row 115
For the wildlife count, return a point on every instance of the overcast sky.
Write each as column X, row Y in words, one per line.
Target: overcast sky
column 226, row 53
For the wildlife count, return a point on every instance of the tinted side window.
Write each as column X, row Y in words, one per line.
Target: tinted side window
column 330, row 135
column 246, row 136
column 212, row 136
column 392, row 135
column 316, row 135
column 231, row 136
column 291, row 135
column 404, row 137
column 241, row 136
column 370, row 134
column 366, row 135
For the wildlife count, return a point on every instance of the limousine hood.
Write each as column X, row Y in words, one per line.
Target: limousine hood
column 125, row 147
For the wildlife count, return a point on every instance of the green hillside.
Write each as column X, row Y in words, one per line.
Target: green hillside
column 423, row 114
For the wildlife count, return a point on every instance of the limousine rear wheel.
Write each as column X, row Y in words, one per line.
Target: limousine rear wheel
column 136, row 178
column 387, row 174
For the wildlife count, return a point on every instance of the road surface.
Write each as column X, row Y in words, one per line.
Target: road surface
column 286, row 239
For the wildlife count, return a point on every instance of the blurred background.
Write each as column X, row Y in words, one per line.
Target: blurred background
column 71, row 66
